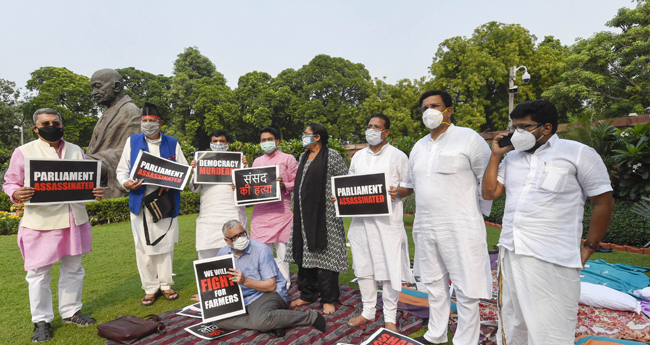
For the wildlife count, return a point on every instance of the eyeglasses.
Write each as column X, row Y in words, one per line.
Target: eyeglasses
column 237, row 236
column 377, row 127
column 522, row 128
column 431, row 106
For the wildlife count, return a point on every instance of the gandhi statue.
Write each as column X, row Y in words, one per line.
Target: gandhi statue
column 120, row 120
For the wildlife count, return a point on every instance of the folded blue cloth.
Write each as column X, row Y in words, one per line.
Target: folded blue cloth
column 621, row 277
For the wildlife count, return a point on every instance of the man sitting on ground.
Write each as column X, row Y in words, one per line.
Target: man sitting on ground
column 263, row 286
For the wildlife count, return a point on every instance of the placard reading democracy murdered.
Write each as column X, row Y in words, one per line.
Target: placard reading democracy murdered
column 386, row 337
column 216, row 167
column 361, row 195
column 220, row 297
column 256, row 185
column 58, row 181
column 160, row 171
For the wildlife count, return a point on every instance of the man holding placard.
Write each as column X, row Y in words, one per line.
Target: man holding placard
column 52, row 232
column 378, row 243
column 263, row 287
column 154, row 259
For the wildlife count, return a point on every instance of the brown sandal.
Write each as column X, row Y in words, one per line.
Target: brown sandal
column 148, row 301
column 171, row 295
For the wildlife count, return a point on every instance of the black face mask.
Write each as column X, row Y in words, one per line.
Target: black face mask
column 51, row 133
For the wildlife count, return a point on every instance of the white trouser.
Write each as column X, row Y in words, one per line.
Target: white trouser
column 281, row 250
column 155, row 271
column 389, row 296
column 70, row 287
column 208, row 253
column 469, row 322
column 538, row 301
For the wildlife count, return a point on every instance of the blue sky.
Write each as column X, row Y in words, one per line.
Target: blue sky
column 393, row 39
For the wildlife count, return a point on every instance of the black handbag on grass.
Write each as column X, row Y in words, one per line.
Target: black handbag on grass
column 160, row 206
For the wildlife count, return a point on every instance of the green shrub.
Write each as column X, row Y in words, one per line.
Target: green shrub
column 8, row 223
column 626, row 228
column 5, row 202
column 409, row 204
column 498, row 205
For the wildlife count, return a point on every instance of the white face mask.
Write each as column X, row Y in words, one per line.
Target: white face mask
column 241, row 243
column 432, row 118
column 306, row 140
column 524, row 141
column 150, row 129
column 219, row 147
column 373, row 136
column 268, row 146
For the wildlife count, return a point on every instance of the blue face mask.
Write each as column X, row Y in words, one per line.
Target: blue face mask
column 306, row 140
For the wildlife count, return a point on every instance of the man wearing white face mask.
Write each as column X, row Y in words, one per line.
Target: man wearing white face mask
column 271, row 222
column 263, row 287
column 379, row 244
column 546, row 180
column 154, row 261
column 445, row 169
column 217, row 204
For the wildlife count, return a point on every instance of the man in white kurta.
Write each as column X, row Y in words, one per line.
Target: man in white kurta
column 379, row 244
column 217, row 205
column 154, row 262
column 547, row 181
column 445, row 169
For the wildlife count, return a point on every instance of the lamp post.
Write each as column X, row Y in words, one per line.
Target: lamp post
column 513, row 89
column 20, row 128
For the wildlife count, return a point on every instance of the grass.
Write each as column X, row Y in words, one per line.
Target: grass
column 112, row 285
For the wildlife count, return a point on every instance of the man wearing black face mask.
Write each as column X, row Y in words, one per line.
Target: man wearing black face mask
column 546, row 181
column 50, row 233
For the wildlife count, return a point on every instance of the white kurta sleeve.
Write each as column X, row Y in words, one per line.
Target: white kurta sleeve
column 123, row 169
column 479, row 157
column 400, row 166
column 409, row 181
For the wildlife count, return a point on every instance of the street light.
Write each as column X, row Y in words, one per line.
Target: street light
column 513, row 89
column 20, row 128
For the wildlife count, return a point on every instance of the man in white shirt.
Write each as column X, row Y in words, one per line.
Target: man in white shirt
column 546, row 180
column 445, row 169
column 154, row 260
column 379, row 244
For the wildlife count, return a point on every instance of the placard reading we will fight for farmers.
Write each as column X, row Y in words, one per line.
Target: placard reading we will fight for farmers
column 159, row 171
column 58, row 181
column 362, row 195
column 220, row 297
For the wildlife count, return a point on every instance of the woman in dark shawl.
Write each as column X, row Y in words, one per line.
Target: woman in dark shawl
column 317, row 240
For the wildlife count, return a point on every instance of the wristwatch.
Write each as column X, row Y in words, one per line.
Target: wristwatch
column 593, row 246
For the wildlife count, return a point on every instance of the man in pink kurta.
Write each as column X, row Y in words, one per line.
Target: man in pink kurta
column 50, row 233
column 271, row 222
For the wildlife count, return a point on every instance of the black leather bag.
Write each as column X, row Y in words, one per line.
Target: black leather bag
column 160, row 206
column 129, row 329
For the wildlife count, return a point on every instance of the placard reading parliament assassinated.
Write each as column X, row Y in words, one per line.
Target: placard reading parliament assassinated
column 216, row 167
column 220, row 297
column 361, row 195
column 159, row 171
column 256, row 185
column 62, row 180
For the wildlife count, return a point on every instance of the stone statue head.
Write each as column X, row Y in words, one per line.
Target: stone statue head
column 107, row 86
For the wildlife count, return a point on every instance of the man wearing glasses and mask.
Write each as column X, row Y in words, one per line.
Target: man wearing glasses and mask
column 263, row 287
column 445, row 169
column 546, row 180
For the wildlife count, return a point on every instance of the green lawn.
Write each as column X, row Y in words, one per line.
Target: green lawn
column 112, row 285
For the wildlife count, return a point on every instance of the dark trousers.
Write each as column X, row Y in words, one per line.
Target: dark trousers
column 267, row 313
column 315, row 281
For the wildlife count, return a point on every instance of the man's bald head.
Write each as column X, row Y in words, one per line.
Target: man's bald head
column 107, row 86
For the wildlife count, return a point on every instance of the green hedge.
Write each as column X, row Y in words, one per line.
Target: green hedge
column 5, row 202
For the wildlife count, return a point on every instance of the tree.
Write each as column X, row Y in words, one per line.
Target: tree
column 399, row 102
column 69, row 94
column 10, row 116
column 195, row 82
column 143, row 87
column 608, row 72
column 475, row 71
column 330, row 90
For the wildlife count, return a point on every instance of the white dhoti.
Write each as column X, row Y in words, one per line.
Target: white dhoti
column 70, row 288
column 538, row 301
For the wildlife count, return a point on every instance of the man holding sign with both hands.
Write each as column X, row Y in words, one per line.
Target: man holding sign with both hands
column 154, row 261
column 52, row 232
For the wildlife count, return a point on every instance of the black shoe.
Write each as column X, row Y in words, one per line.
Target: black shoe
column 80, row 319
column 42, row 332
column 319, row 323
column 424, row 341
column 280, row 332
